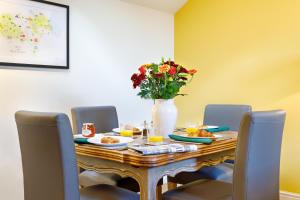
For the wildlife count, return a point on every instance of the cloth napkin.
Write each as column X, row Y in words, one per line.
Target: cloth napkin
column 219, row 129
column 189, row 139
column 169, row 148
column 81, row 141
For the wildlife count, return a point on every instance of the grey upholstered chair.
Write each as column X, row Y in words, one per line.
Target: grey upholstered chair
column 49, row 161
column 220, row 115
column 105, row 118
column 225, row 115
column 256, row 169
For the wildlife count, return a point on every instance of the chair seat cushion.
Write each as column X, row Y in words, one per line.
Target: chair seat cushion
column 221, row 172
column 107, row 192
column 229, row 161
column 89, row 178
column 201, row 190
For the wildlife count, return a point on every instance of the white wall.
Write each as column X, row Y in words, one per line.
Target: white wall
column 109, row 39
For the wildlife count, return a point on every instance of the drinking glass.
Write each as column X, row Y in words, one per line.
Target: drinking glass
column 154, row 137
column 191, row 127
column 124, row 131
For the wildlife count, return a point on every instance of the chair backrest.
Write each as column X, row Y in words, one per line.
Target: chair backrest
column 48, row 156
column 225, row 115
column 105, row 118
column 257, row 163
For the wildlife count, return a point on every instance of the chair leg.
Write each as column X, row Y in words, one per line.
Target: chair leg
column 159, row 192
column 79, row 170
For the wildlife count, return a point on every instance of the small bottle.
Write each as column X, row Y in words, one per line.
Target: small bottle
column 145, row 130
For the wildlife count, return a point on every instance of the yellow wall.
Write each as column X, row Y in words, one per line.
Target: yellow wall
column 247, row 52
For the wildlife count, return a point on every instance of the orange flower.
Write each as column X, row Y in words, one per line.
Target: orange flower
column 146, row 65
column 164, row 68
column 192, row 71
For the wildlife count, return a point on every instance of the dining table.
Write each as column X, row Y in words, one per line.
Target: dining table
column 148, row 170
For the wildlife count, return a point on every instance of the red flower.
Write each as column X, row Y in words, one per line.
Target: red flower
column 192, row 71
column 142, row 77
column 183, row 70
column 134, row 77
column 137, row 79
column 142, row 69
column 171, row 63
column 159, row 75
column 172, row 71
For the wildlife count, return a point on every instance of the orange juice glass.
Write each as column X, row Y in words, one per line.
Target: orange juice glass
column 155, row 138
column 126, row 133
column 191, row 130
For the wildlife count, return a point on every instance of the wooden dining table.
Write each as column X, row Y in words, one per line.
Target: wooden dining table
column 148, row 170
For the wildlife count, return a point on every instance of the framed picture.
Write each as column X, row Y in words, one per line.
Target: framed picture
column 34, row 34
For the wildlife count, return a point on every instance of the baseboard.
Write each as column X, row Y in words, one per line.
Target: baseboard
column 289, row 196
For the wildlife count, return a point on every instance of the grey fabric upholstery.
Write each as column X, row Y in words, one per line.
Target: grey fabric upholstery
column 108, row 192
column 225, row 115
column 201, row 190
column 89, row 178
column 105, row 118
column 256, row 170
column 221, row 172
column 48, row 158
column 220, row 115
column 257, row 163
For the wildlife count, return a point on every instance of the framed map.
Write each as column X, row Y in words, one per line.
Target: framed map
column 34, row 34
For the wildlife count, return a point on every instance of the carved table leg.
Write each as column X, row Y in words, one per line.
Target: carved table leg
column 148, row 177
column 172, row 185
column 148, row 183
column 159, row 192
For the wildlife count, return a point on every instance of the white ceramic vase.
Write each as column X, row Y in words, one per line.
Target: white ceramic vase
column 164, row 116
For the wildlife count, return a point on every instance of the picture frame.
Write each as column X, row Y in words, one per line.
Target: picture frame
column 34, row 34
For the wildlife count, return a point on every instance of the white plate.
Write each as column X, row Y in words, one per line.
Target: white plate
column 97, row 140
column 81, row 136
column 118, row 130
column 206, row 127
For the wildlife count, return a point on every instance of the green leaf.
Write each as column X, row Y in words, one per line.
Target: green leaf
column 182, row 74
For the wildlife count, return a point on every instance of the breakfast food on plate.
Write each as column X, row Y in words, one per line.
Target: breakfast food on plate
column 133, row 128
column 136, row 129
column 109, row 140
column 200, row 133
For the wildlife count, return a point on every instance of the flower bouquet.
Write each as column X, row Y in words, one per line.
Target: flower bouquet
column 162, row 82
